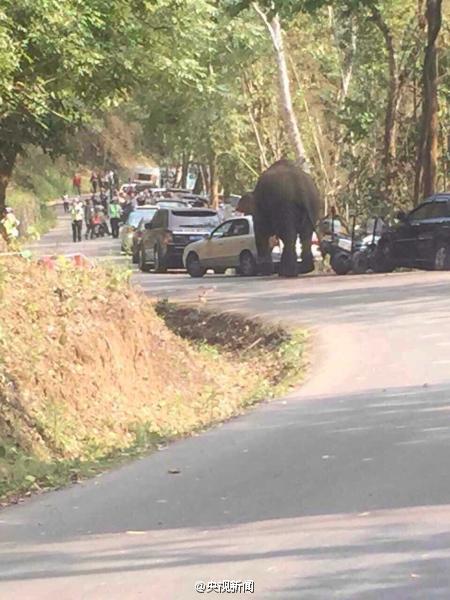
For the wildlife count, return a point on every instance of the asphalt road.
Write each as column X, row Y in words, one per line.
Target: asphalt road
column 340, row 490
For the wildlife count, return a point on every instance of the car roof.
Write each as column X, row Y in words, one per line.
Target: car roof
column 145, row 207
column 192, row 210
column 440, row 197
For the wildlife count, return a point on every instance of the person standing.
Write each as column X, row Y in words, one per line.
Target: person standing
column 88, row 216
column 76, row 183
column 114, row 216
column 94, row 182
column 10, row 225
column 66, row 204
column 77, row 215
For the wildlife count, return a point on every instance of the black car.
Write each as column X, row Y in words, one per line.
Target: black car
column 170, row 231
column 420, row 240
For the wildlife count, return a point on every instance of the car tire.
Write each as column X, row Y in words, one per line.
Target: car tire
column 442, row 258
column 193, row 266
column 382, row 261
column 160, row 264
column 341, row 263
column 143, row 265
column 360, row 263
column 247, row 264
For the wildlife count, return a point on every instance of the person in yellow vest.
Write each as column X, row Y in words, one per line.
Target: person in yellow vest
column 114, row 212
column 10, row 225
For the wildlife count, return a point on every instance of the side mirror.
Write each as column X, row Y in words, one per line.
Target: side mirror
column 148, row 226
column 207, row 236
column 401, row 216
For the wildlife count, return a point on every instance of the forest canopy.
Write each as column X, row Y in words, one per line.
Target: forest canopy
column 358, row 90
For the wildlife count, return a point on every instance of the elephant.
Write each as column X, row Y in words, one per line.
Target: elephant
column 285, row 203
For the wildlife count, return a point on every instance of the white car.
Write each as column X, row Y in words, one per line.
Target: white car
column 231, row 245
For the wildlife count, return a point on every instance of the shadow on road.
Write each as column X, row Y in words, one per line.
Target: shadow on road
column 349, row 466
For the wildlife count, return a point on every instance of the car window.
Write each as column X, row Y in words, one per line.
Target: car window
column 240, row 227
column 135, row 217
column 422, row 212
column 159, row 219
column 440, row 210
column 195, row 219
column 223, row 230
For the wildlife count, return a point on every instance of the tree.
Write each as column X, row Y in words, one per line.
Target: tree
column 427, row 154
column 273, row 25
column 64, row 61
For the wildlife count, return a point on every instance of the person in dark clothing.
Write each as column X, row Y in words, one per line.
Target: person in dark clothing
column 88, row 216
column 94, row 182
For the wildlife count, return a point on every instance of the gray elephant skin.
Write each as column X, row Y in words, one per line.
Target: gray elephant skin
column 285, row 203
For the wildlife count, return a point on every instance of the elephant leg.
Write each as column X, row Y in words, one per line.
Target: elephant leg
column 306, row 234
column 288, row 264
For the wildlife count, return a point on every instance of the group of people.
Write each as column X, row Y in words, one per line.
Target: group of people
column 99, row 216
column 99, row 181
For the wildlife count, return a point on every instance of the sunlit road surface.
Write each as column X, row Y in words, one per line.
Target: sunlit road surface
column 340, row 490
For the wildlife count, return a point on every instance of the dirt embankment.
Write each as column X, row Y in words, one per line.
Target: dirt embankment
column 89, row 371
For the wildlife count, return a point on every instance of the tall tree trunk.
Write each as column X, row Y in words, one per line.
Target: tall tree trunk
column 185, row 161
column 290, row 119
column 8, row 157
column 213, row 180
column 427, row 153
column 199, row 183
column 392, row 104
column 263, row 163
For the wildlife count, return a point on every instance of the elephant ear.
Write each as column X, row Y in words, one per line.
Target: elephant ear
column 246, row 204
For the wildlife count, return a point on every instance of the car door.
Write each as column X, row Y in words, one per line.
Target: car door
column 214, row 250
column 238, row 239
column 406, row 239
column 150, row 240
column 431, row 230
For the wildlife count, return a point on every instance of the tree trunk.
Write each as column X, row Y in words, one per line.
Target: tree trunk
column 185, row 161
column 392, row 104
column 213, row 181
column 205, row 178
column 199, row 183
column 7, row 160
column 290, row 119
column 427, row 153
column 263, row 163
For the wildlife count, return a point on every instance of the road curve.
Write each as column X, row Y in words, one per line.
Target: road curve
column 340, row 490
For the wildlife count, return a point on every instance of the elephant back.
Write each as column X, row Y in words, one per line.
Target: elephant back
column 284, row 187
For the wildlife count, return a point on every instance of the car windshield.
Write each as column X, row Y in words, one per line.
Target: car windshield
column 198, row 219
column 135, row 217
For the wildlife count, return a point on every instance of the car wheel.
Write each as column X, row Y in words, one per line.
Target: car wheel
column 382, row 258
column 247, row 264
column 442, row 258
column 341, row 263
column 360, row 263
column 194, row 266
column 143, row 265
column 160, row 265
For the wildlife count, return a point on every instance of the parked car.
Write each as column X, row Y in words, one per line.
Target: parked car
column 421, row 238
column 131, row 224
column 231, row 245
column 171, row 230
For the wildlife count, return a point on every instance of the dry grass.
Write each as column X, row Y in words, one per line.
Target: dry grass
column 89, row 370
